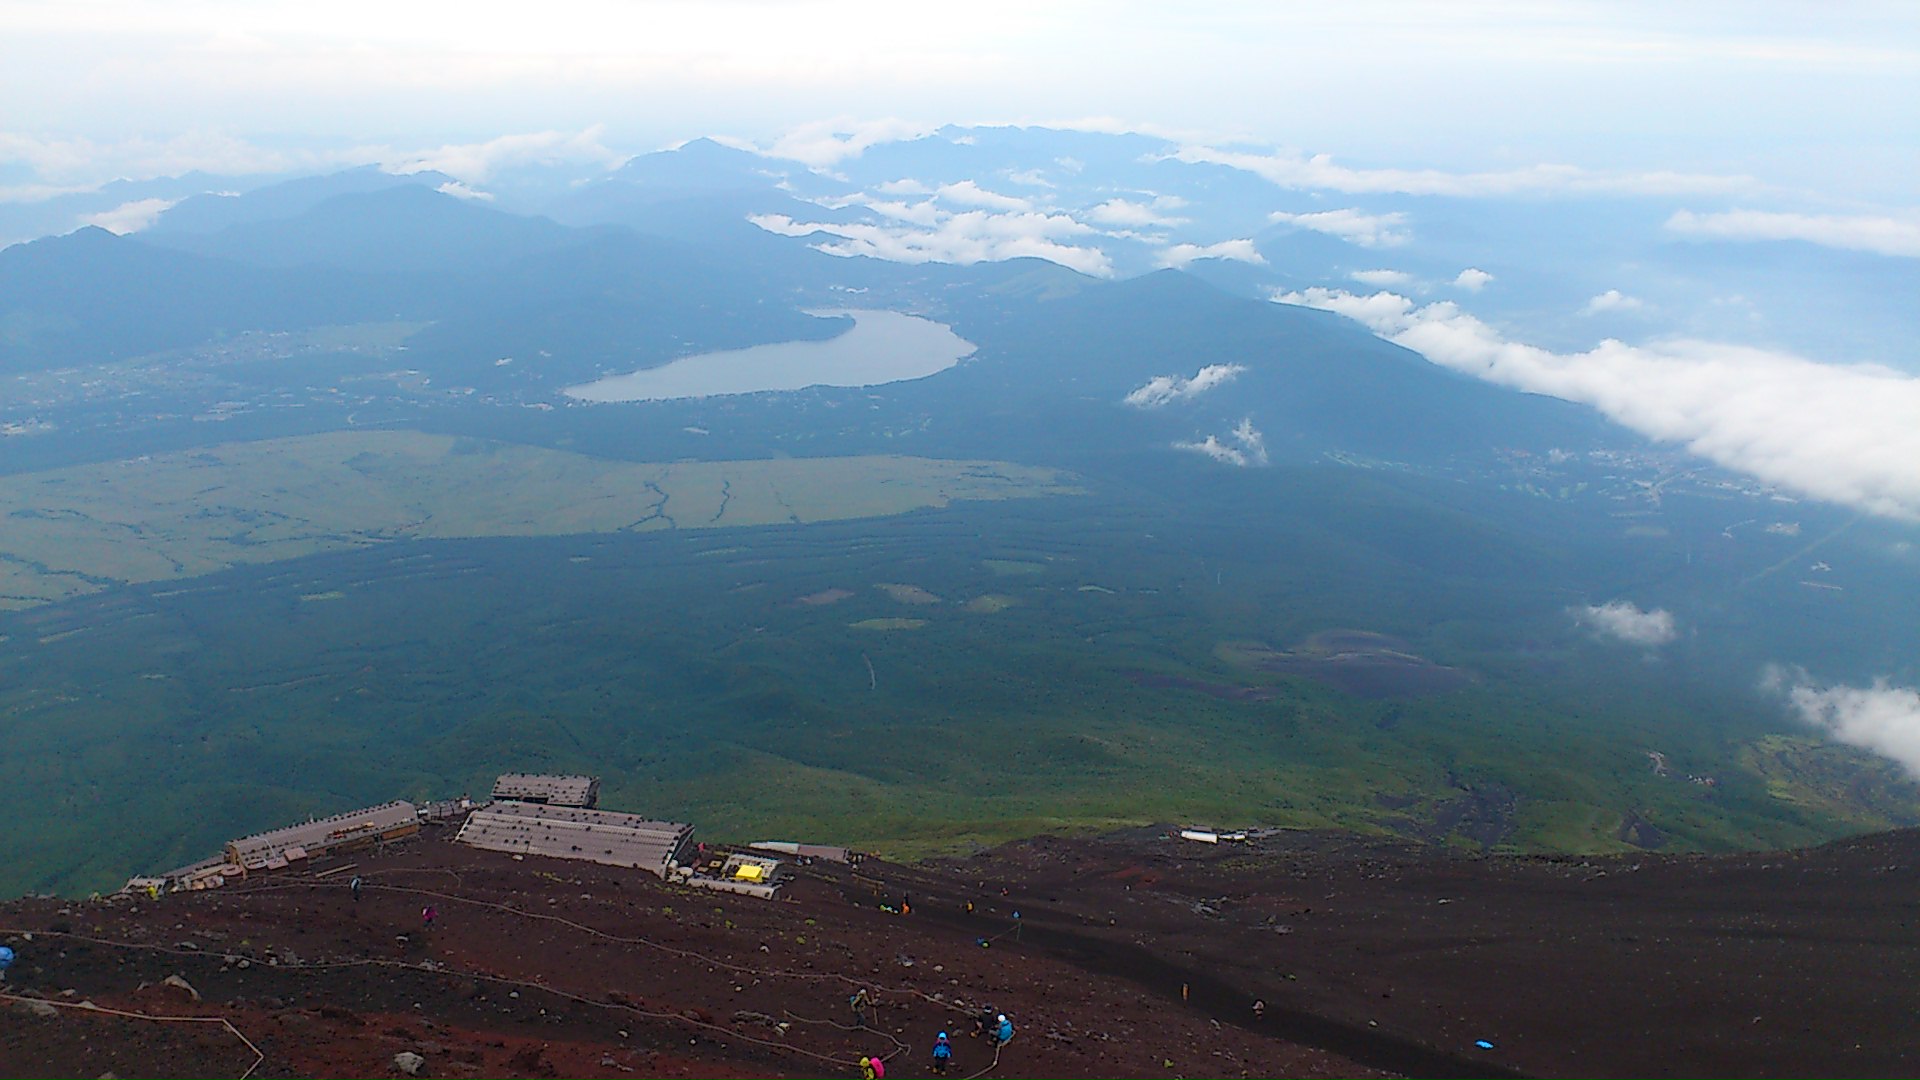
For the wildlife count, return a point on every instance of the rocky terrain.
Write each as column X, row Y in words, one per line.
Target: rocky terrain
column 1132, row 954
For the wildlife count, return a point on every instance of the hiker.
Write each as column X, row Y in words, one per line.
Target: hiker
column 860, row 1003
column 1259, row 1008
column 6, row 961
column 942, row 1054
column 873, row 1068
column 1002, row 1031
column 427, row 915
column 354, row 887
column 906, row 903
column 982, row 1023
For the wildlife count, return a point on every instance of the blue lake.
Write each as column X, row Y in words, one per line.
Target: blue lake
column 882, row 347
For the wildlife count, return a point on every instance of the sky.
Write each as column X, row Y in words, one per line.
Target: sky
column 1822, row 100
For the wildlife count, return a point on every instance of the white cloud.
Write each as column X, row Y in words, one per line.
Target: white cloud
column 1611, row 300
column 1882, row 718
column 130, row 217
column 1238, row 250
column 84, row 160
column 1623, row 620
column 1319, row 173
column 920, row 213
column 1244, row 446
column 1855, row 232
column 1131, row 214
column 1843, row 433
column 1030, row 178
column 1250, row 440
column 474, row 163
column 461, row 191
column 968, row 193
column 971, row 237
column 904, row 186
column 1353, row 225
column 33, row 193
column 1381, row 278
column 825, row 142
column 1164, row 389
column 1472, row 279
column 833, row 202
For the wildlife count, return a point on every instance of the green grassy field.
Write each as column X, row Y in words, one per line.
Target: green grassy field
column 75, row 530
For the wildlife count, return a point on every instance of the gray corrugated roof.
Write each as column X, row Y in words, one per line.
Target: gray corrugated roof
column 563, row 790
column 324, row 832
column 571, row 832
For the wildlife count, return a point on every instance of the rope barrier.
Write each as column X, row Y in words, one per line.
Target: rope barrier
column 500, row 980
column 742, row 969
column 685, row 954
column 89, row 1007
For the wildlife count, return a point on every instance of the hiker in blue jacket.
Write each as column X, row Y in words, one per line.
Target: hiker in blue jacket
column 942, row 1054
column 1002, row 1031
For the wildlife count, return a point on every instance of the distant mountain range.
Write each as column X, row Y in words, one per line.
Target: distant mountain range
column 571, row 302
column 1126, row 204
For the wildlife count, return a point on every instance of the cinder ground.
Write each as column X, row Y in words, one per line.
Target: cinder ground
column 1135, row 955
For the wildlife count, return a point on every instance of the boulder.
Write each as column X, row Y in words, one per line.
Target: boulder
column 181, row 984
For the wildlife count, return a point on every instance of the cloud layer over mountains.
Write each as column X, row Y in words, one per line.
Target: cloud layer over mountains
column 1880, row 234
column 1846, row 434
column 1881, row 717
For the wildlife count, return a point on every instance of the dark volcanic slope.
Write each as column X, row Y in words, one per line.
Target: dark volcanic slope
column 1371, row 958
column 1774, row 964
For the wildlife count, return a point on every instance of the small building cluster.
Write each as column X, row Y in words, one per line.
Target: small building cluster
column 530, row 814
column 280, row 848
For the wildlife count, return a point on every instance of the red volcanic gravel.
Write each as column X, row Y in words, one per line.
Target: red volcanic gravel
column 1133, row 955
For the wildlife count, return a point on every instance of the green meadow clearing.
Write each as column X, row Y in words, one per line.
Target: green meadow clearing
column 76, row 530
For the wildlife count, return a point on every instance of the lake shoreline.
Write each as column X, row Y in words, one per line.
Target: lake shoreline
column 881, row 347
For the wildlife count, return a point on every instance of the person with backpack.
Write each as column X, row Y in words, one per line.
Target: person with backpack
column 982, row 1023
column 942, row 1055
column 1002, row 1031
